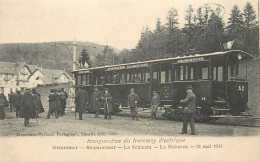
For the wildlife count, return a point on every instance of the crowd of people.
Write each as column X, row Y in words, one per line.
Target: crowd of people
column 29, row 104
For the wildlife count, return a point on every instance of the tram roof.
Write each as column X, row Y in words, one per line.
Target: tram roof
column 172, row 58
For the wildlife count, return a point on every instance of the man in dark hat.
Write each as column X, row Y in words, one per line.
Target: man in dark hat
column 107, row 104
column 189, row 111
column 53, row 104
column 95, row 101
column 63, row 98
column 17, row 102
column 3, row 104
column 133, row 100
column 58, row 100
column 27, row 107
column 81, row 100
column 154, row 104
column 37, row 102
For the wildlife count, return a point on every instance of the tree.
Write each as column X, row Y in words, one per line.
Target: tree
column 249, row 16
column 84, row 57
column 158, row 26
column 251, row 30
column 172, row 19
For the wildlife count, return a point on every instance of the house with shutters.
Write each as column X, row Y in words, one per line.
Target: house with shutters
column 43, row 76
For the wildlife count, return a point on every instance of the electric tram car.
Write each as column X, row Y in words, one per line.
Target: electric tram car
column 218, row 80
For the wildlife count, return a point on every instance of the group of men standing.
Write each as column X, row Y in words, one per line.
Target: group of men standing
column 57, row 102
column 82, row 100
column 97, row 98
column 27, row 106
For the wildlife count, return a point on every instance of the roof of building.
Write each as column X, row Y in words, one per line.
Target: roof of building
column 32, row 68
column 8, row 68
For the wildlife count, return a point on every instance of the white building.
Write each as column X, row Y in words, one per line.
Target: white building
column 43, row 76
column 18, row 76
column 23, row 74
column 8, row 77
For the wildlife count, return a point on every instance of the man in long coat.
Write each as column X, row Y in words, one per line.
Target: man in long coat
column 3, row 104
column 189, row 111
column 27, row 107
column 63, row 98
column 53, row 104
column 81, row 99
column 107, row 99
column 37, row 102
column 11, row 100
column 58, row 100
column 154, row 104
column 133, row 100
column 95, row 101
column 17, row 103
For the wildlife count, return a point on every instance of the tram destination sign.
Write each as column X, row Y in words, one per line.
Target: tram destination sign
column 195, row 59
column 128, row 66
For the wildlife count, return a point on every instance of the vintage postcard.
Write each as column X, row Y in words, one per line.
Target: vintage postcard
column 129, row 80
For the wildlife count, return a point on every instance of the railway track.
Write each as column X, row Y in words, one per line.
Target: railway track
column 246, row 121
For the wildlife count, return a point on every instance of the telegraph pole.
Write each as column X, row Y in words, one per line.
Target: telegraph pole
column 74, row 60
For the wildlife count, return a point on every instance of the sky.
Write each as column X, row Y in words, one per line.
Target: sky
column 117, row 23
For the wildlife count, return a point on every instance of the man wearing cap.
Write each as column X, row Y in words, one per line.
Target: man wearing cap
column 133, row 100
column 17, row 103
column 95, row 101
column 154, row 105
column 107, row 104
column 81, row 100
column 189, row 111
column 27, row 107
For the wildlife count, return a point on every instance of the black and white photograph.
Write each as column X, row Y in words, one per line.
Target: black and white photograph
column 129, row 80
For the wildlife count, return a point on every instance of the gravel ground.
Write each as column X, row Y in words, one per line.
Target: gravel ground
column 119, row 125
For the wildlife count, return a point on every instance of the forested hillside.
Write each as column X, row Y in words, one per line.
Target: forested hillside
column 204, row 31
column 56, row 55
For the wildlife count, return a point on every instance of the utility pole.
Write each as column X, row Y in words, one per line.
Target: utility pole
column 74, row 60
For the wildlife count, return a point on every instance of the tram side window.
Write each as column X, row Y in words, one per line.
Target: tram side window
column 191, row 73
column 147, row 77
column 181, row 73
column 84, row 79
column 163, row 76
column 79, row 80
column 169, row 76
column 137, row 77
column 220, row 73
column 203, row 72
column 214, row 73
column 155, row 76
column 122, row 79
